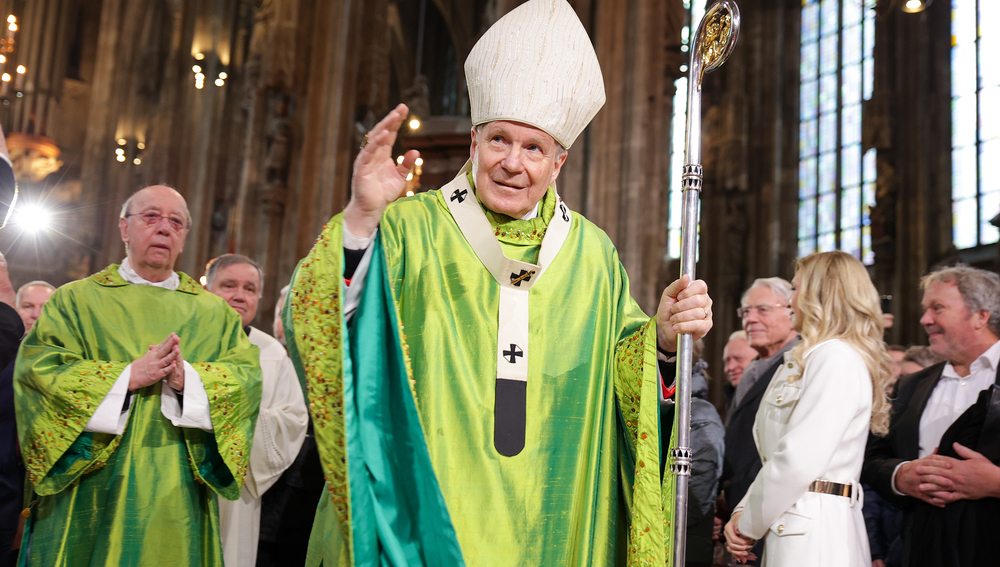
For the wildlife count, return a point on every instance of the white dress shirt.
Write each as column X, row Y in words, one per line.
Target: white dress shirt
column 953, row 395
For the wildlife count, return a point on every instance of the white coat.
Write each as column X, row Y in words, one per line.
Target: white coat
column 278, row 436
column 812, row 428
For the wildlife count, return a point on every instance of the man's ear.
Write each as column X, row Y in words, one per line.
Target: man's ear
column 473, row 144
column 560, row 160
column 123, row 227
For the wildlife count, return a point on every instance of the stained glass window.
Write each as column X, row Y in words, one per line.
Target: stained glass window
column 695, row 10
column 836, row 180
column 975, row 121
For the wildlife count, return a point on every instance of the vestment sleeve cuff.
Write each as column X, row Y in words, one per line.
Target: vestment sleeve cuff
column 194, row 412
column 111, row 416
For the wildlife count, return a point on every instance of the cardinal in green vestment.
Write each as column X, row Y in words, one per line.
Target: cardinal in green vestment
column 483, row 388
column 136, row 393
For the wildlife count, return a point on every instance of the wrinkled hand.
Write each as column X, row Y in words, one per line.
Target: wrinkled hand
column 737, row 544
column 159, row 362
column 176, row 377
column 7, row 293
column 684, row 308
column 973, row 477
column 716, row 529
column 378, row 180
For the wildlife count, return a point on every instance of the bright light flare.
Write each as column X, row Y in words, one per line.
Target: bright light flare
column 21, row 70
column 11, row 19
column 414, row 124
column 33, row 217
column 420, row 161
column 5, row 77
column 12, row 26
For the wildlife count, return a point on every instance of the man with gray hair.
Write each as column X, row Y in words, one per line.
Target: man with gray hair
column 931, row 462
column 281, row 424
column 30, row 299
column 137, row 392
column 766, row 313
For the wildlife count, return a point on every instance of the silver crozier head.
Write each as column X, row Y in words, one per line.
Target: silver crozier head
column 715, row 39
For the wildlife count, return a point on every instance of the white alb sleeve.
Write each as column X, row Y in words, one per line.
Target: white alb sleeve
column 110, row 417
column 195, row 413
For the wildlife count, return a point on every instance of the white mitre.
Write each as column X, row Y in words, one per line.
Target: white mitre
column 537, row 66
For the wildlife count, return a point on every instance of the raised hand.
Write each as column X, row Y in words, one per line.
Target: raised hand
column 378, row 179
column 158, row 362
column 684, row 308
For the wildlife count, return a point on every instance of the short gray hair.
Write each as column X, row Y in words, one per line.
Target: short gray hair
column 779, row 286
column 226, row 260
column 741, row 335
column 980, row 289
column 281, row 301
column 17, row 297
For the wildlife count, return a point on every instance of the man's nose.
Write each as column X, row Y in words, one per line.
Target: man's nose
column 927, row 318
column 512, row 161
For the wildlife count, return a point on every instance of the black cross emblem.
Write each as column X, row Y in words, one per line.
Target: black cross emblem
column 565, row 215
column 459, row 194
column 516, row 279
column 512, row 354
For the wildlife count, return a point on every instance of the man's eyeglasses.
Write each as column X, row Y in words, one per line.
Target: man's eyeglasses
column 764, row 309
column 176, row 224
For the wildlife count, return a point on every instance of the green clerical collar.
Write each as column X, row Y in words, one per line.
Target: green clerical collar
column 517, row 231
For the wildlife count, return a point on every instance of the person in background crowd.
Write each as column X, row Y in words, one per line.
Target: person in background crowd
column 281, row 424
column 11, row 467
column 896, row 353
column 277, row 327
column 31, row 297
column 707, row 450
column 136, row 392
column 928, row 464
column 916, row 358
column 813, row 424
column 766, row 313
column 288, row 508
column 736, row 355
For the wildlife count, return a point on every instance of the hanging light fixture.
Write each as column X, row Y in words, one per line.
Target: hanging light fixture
column 914, row 6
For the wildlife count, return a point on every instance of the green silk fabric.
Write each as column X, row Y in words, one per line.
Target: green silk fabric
column 586, row 489
column 145, row 497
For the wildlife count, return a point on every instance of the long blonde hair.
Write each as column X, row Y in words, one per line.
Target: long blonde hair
column 838, row 301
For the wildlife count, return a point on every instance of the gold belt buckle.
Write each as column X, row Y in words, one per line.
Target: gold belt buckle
column 829, row 487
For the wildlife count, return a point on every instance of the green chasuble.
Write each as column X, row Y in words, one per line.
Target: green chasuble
column 415, row 479
column 144, row 497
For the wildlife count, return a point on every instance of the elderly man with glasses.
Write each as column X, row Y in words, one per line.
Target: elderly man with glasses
column 137, row 393
column 767, row 315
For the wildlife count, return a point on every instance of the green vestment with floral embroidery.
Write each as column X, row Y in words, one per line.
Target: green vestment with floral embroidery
column 586, row 489
column 146, row 497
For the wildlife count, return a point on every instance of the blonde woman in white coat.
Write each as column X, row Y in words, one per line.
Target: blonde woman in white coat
column 813, row 423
